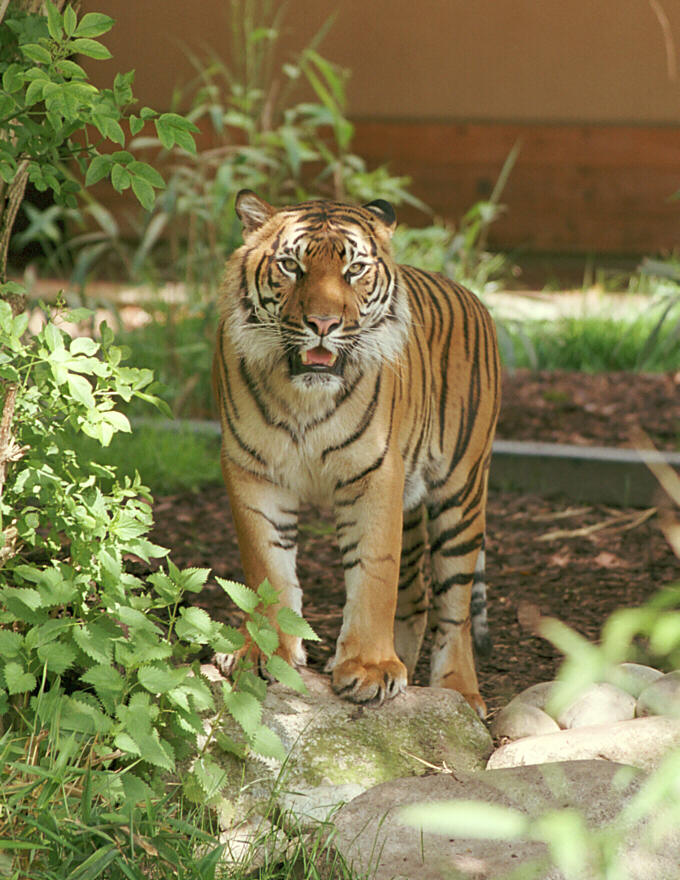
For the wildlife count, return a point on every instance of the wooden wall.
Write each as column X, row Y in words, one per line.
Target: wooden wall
column 442, row 89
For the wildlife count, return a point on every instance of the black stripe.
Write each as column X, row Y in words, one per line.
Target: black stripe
column 454, row 580
column 366, row 419
column 463, row 549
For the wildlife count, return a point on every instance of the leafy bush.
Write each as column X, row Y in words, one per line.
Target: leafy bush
column 100, row 686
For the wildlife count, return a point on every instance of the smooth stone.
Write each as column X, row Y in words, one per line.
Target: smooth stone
column 634, row 677
column 662, row 697
column 372, row 839
column 537, row 695
column 641, row 742
column 598, row 704
column 519, row 719
column 335, row 750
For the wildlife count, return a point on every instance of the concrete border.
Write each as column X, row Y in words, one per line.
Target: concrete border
column 593, row 474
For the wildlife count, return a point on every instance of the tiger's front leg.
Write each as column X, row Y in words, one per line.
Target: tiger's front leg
column 368, row 511
column 266, row 516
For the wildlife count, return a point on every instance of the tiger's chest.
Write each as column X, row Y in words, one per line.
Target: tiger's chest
column 311, row 445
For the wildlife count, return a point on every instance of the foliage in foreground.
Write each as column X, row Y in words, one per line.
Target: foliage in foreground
column 100, row 687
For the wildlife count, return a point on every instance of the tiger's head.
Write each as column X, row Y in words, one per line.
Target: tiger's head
column 315, row 287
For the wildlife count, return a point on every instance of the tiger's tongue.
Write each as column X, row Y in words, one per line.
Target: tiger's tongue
column 318, row 356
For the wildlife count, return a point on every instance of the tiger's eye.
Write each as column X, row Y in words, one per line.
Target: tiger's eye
column 289, row 265
column 355, row 269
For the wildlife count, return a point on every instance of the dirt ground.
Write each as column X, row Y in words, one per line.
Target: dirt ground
column 545, row 557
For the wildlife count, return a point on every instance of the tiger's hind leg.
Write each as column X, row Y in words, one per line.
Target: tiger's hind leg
column 458, row 594
column 413, row 599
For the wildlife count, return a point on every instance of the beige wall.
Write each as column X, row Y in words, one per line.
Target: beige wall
column 597, row 61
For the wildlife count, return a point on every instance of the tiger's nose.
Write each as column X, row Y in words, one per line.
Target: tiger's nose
column 322, row 324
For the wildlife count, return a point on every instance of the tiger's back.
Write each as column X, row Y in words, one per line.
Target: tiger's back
column 346, row 379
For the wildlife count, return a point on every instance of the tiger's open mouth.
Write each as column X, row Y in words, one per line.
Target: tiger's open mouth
column 315, row 360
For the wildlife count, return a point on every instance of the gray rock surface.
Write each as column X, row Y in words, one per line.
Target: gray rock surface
column 372, row 838
column 641, row 742
column 336, row 749
column 662, row 697
column 599, row 704
column 519, row 719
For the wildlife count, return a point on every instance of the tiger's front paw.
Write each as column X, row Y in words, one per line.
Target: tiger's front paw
column 290, row 649
column 369, row 682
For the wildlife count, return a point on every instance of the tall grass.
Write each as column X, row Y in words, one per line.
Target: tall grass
column 593, row 344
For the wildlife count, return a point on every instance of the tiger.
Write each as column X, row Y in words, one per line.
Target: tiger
column 346, row 380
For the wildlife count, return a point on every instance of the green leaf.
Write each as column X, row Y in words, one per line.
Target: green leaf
column 144, row 193
column 17, row 680
column 83, row 345
column 243, row 597
column 27, row 597
column 161, row 679
column 10, row 643
column 53, row 337
column 264, row 635
column 36, row 53
column 70, row 21
column 99, row 168
column 108, row 683
column 285, row 673
column 113, row 131
column 81, row 390
column 292, row 624
column 146, row 172
column 209, row 775
column 90, row 48
column 118, row 421
column 195, row 625
column 122, row 88
column 54, row 21
column 155, row 751
column 136, row 125
column 193, row 579
column 467, row 819
column 94, row 24
column 95, row 864
column 266, row 742
column 245, row 709
column 57, row 655
column 120, row 178
column 34, row 92
column 13, row 78
column 70, row 69
column 268, row 594
column 94, row 641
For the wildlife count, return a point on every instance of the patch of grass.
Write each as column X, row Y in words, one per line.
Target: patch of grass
column 168, row 460
column 596, row 344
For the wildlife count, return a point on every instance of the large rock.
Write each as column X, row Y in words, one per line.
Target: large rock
column 519, row 719
column 336, row 749
column 635, row 677
column 601, row 703
column 371, row 837
column 662, row 697
column 641, row 742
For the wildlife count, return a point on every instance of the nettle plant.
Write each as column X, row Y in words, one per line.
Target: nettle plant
column 86, row 646
column 90, row 652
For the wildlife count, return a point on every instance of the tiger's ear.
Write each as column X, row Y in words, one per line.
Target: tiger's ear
column 252, row 211
column 385, row 212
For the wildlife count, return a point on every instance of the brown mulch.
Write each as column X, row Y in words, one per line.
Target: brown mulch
column 578, row 578
column 590, row 409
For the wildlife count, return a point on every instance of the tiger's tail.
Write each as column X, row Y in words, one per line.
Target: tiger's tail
column 480, row 624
